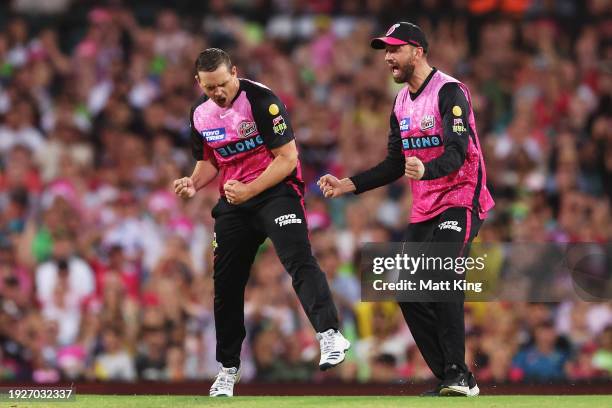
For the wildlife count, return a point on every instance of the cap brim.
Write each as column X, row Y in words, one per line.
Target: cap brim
column 380, row 42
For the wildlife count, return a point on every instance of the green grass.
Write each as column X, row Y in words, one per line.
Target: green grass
column 155, row 401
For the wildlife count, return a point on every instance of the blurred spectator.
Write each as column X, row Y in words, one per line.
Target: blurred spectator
column 602, row 358
column 151, row 361
column 16, row 286
column 343, row 283
column 114, row 363
column 385, row 350
column 175, row 364
column 18, row 129
column 544, row 360
column 66, row 271
column 582, row 367
column 63, row 284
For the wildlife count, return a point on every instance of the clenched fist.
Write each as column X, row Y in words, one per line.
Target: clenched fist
column 184, row 187
column 332, row 187
column 414, row 168
column 237, row 192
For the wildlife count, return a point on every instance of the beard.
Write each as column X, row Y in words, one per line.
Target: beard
column 405, row 73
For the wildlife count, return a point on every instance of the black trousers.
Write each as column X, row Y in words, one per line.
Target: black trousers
column 277, row 213
column 438, row 328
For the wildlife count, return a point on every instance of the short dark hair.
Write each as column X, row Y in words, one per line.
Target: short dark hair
column 210, row 59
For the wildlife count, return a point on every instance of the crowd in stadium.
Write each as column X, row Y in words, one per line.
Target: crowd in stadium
column 106, row 275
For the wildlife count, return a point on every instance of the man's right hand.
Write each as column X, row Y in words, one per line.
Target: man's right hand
column 184, row 187
column 332, row 187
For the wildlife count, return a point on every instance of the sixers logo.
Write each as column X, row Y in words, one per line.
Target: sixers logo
column 246, row 129
column 391, row 29
column 428, row 122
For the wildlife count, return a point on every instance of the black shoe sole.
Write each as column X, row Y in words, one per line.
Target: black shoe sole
column 328, row 366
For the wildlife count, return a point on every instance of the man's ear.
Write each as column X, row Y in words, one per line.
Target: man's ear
column 234, row 70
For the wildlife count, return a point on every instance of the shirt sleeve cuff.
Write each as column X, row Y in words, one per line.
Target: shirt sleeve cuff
column 427, row 173
column 355, row 180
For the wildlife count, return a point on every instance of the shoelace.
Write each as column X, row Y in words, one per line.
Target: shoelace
column 223, row 380
column 329, row 342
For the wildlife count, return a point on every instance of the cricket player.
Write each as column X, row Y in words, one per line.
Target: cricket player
column 433, row 141
column 241, row 130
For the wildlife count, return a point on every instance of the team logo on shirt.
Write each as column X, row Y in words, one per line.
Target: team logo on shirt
column 404, row 124
column 457, row 110
column 427, row 122
column 458, row 126
column 213, row 135
column 279, row 126
column 246, row 129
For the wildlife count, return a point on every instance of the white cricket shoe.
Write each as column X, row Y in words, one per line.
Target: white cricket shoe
column 474, row 390
column 224, row 382
column 333, row 348
column 462, row 385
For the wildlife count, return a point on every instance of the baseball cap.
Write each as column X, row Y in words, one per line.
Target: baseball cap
column 401, row 33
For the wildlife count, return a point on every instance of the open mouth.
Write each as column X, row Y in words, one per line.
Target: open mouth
column 395, row 69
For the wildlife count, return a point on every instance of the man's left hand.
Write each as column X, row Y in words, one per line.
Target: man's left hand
column 237, row 192
column 414, row 168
